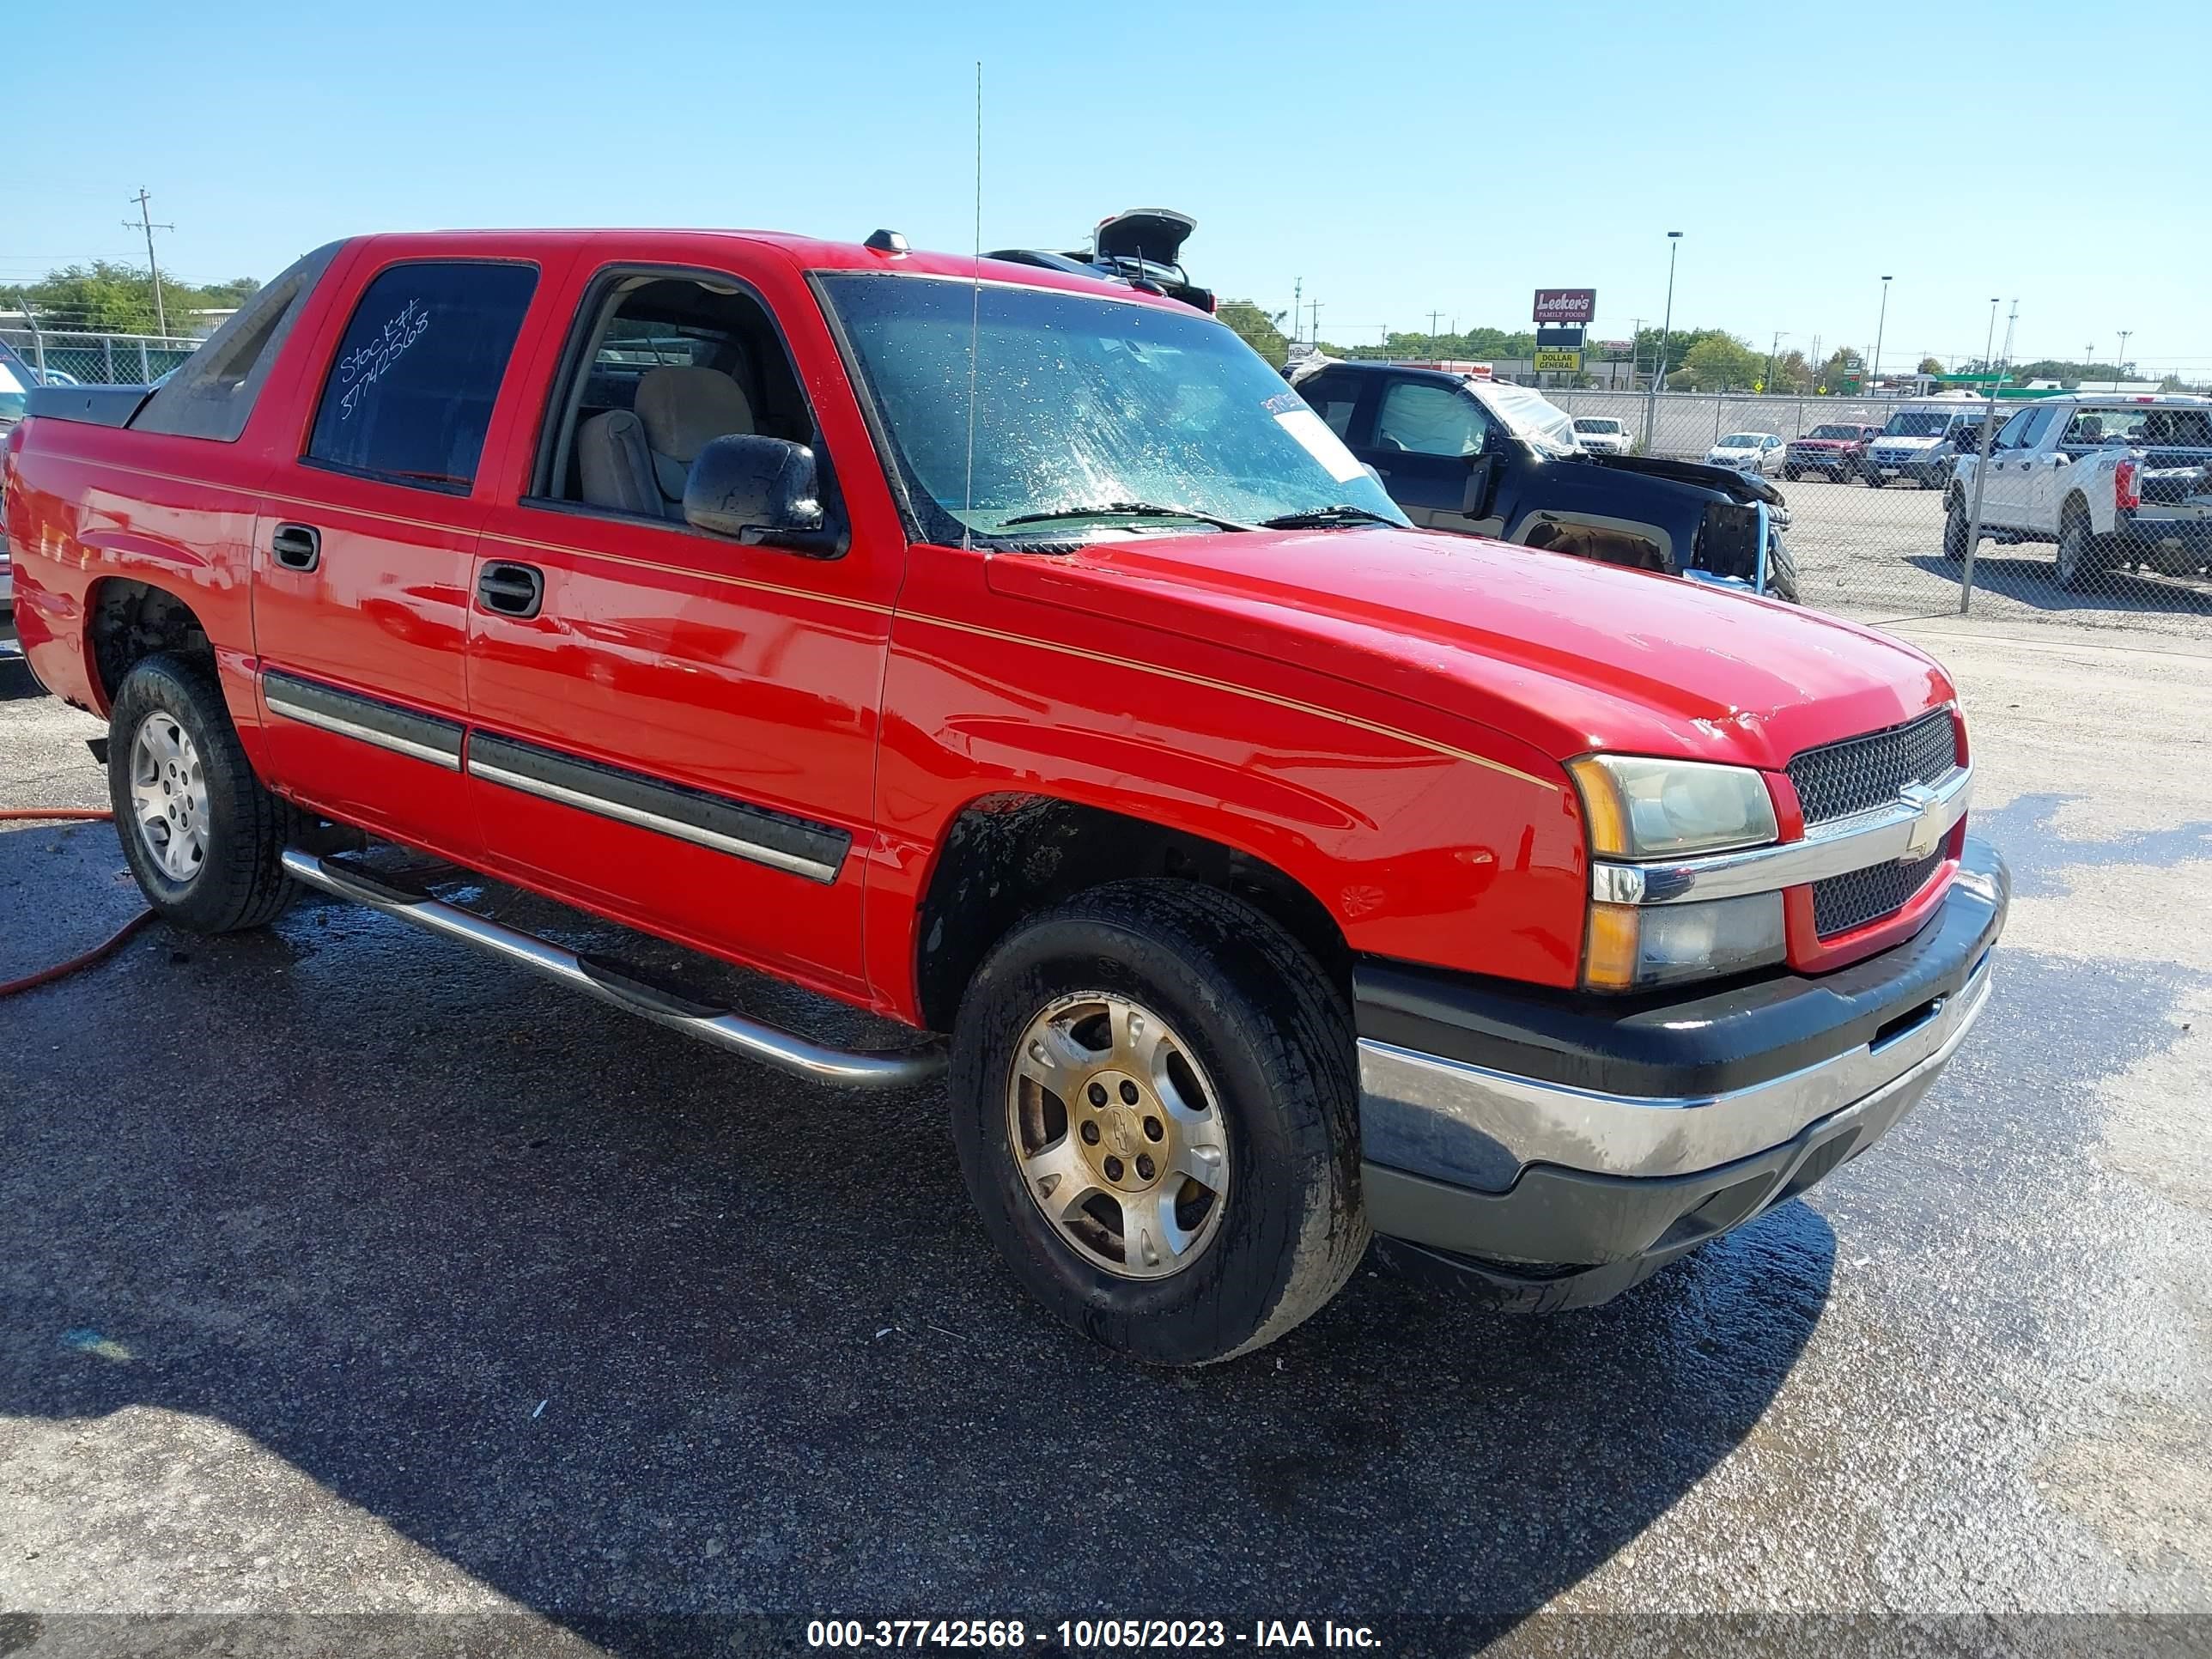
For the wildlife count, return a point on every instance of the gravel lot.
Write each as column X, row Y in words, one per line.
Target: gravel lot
column 357, row 1295
column 1877, row 555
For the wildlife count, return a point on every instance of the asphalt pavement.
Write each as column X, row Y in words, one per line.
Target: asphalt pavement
column 358, row 1294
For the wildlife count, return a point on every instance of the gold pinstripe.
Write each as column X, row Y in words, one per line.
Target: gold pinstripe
column 870, row 606
column 1292, row 703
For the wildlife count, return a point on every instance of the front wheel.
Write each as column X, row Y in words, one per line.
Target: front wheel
column 200, row 834
column 1155, row 1101
column 1874, row 480
column 1791, row 474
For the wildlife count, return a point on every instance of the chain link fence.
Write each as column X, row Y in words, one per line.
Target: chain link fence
column 98, row 359
column 2092, row 507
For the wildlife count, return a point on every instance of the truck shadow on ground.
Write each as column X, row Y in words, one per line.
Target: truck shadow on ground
column 611, row 1323
column 2030, row 578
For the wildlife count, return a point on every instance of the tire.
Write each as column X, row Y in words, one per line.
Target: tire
column 1956, row 527
column 1267, row 1045
column 1874, row 480
column 1791, row 474
column 1782, row 573
column 205, row 848
column 2078, row 560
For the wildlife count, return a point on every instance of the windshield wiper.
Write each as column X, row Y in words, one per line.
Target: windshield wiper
column 1318, row 517
column 1123, row 510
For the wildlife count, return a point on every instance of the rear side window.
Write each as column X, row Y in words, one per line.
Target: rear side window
column 411, row 391
column 212, row 392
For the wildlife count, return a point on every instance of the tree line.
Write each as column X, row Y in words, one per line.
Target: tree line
column 106, row 297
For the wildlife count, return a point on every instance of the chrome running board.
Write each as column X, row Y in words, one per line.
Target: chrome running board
column 753, row 1039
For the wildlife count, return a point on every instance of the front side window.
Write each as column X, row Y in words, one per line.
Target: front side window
column 1082, row 402
column 411, row 391
column 2013, row 433
column 1419, row 417
column 668, row 362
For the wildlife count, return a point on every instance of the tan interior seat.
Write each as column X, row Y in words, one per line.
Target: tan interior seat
column 637, row 462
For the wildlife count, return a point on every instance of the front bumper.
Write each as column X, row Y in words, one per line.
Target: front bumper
column 1553, row 1150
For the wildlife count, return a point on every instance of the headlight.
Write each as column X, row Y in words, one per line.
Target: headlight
column 1658, row 809
column 1640, row 809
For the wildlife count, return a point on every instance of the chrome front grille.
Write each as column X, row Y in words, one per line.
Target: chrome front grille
column 1860, row 774
column 1842, row 903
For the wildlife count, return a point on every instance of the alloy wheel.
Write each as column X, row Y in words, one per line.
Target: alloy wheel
column 168, row 794
column 1118, row 1134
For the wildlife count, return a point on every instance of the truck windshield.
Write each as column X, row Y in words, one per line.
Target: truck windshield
column 1909, row 424
column 1833, row 432
column 12, row 396
column 1083, row 402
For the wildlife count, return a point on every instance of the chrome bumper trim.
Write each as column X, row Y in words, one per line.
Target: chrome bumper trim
column 1476, row 1127
column 1903, row 830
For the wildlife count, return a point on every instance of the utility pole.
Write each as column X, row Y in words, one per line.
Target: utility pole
column 1873, row 369
column 1314, row 306
column 1666, row 333
column 1772, row 346
column 152, row 268
column 1433, row 316
column 1297, row 309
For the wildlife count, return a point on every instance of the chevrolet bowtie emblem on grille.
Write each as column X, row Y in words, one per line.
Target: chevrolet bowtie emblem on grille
column 1927, row 828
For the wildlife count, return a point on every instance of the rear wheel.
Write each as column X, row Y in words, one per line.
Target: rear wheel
column 1956, row 527
column 1155, row 1101
column 1792, row 473
column 200, row 834
column 2078, row 560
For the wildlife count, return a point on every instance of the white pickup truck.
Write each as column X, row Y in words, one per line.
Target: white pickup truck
column 2113, row 481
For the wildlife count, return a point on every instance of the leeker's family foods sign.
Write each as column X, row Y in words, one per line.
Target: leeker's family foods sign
column 1565, row 305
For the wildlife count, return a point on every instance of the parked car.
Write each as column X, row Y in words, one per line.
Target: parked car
column 2109, row 481
column 1835, row 449
column 1923, row 440
column 1279, row 871
column 1487, row 457
column 1141, row 246
column 1747, row 451
column 1601, row 435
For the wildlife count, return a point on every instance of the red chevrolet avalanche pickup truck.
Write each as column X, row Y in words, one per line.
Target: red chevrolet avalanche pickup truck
column 1017, row 657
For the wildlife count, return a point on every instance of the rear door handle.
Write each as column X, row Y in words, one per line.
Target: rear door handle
column 297, row 546
column 511, row 590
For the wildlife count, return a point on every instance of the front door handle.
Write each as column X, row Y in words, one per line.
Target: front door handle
column 297, row 546
column 512, row 590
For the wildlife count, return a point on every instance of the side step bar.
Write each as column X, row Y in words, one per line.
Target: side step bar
column 755, row 1040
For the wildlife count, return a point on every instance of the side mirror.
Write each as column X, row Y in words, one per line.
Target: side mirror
column 1481, row 486
column 761, row 491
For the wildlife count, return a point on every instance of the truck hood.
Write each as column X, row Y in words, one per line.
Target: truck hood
column 1721, row 480
column 1562, row 654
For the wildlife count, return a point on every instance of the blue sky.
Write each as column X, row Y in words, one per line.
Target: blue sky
column 1400, row 159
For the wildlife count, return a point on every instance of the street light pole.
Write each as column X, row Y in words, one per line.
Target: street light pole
column 1666, row 333
column 2120, row 369
column 1873, row 373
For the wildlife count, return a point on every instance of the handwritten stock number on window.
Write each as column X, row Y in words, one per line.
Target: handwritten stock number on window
column 368, row 362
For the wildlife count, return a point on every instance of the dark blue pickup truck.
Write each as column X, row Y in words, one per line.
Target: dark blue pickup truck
column 1489, row 459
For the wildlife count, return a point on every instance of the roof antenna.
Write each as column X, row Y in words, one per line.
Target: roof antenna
column 974, row 323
